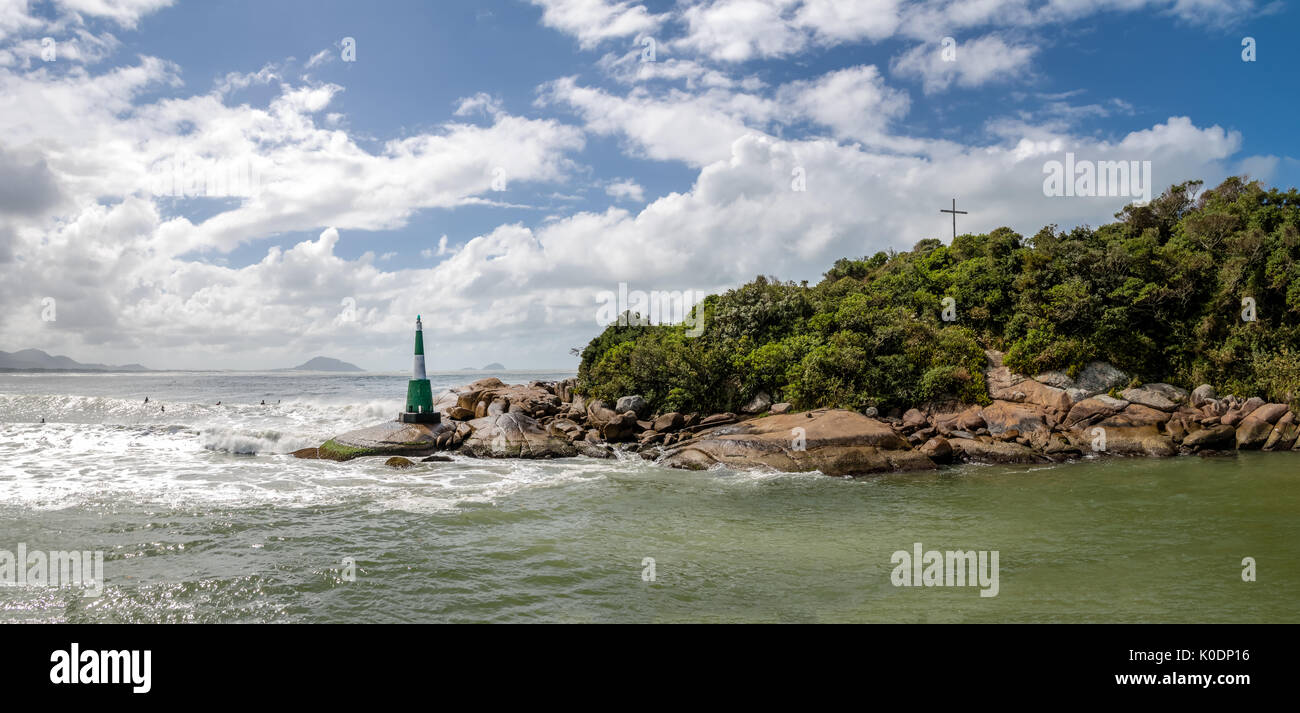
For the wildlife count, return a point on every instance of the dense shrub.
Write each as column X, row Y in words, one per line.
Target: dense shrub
column 1159, row 293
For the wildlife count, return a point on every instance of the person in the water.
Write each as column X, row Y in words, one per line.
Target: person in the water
column 218, row 403
column 263, row 402
column 163, row 409
column 146, row 399
column 42, row 419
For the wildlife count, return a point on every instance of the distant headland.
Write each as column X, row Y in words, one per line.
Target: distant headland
column 37, row 360
column 494, row 366
column 321, row 363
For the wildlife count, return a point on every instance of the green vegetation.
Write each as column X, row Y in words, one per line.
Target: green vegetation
column 1158, row 294
column 333, row 450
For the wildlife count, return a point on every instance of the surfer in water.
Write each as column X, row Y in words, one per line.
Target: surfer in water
column 146, row 399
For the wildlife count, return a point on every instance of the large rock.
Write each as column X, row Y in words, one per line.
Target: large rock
column 914, row 418
column 1157, row 396
column 972, row 419
column 1202, row 395
column 1169, row 391
column 1269, row 413
column 995, row 452
column 1138, row 415
column 1254, row 430
column 760, row 403
column 634, row 403
column 514, row 435
column 669, row 422
column 1139, row 440
column 835, row 442
column 386, row 439
column 535, row 399
column 1099, row 377
column 1005, row 386
column 1134, row 431
column 1094, row 408
column 1212, row 437
column 1056, row 379
column 598, row 413
column 956, row 417
column 594, row 450
column 1238, row 413
column 1007, row 420
column 620, row 427
column 1284, row 434
column 565, row 428
column 938, row 450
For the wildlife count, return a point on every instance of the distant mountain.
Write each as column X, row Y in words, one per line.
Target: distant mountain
column 490, row 367
column 37, row 359
column 324, row 364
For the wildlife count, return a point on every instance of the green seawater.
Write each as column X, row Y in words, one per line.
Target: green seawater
column 1121, row 540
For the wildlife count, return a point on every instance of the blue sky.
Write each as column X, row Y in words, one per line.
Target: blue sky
column 672, row 175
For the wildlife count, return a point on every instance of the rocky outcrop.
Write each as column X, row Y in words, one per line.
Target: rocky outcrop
column 758, row 404
column 995, row 452
column 1027, row 423
column 1004, row 385
column 1236, row 414
column 1051, row 417
column 491, row 396
column 938, row 450
column 1284, row 433
column 1202, row 395
column 1094, row 409
column 1254, row 430
column 387, row 439
column 1136, row 430
column 834, row 442
column 636, row 404
column 514, row 435
column 1095, row 378
column 1210, row 438
column 1099, row 377
column 1158, row 396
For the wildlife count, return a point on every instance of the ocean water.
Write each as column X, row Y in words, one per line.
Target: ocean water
column 203, row 517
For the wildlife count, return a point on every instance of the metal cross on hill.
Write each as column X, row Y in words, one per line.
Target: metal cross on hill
column 954, row 212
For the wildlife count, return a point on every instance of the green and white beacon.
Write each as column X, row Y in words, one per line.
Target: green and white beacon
column 419, row 395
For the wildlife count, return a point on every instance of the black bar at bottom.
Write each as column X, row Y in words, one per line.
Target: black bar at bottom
column 333, row 663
